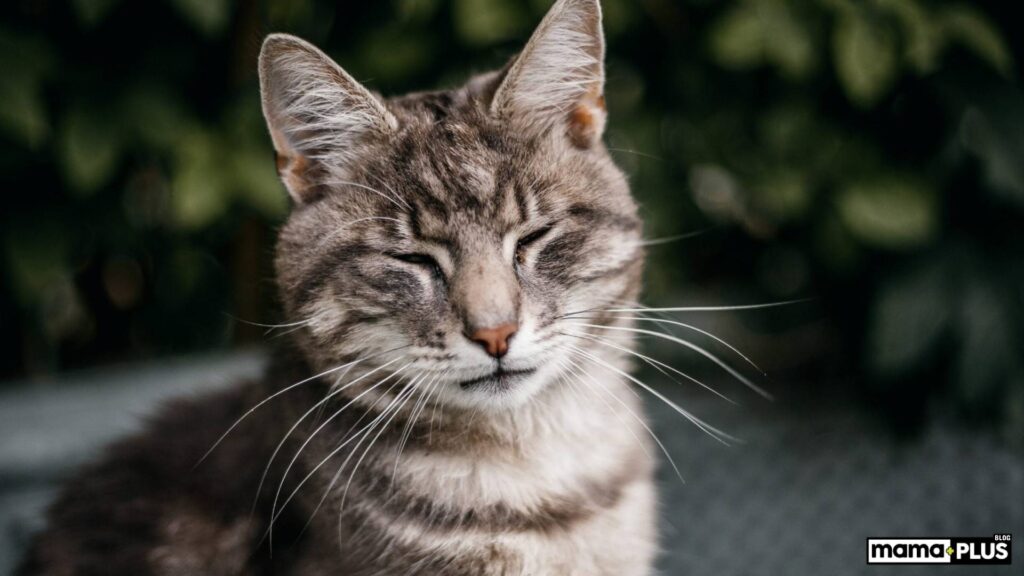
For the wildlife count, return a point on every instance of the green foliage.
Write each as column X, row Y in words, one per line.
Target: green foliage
column 891, row 185
column 866, row 150
column 865, row 55
column 488, row 21
column 756, row 32
column 209, row 16
column 26, row 61
column 88, row 150
column 889, row 211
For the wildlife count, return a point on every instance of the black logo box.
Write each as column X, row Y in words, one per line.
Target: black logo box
column 953, row 541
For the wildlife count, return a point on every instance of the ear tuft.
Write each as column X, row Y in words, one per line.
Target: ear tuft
column 319, row 117
column 559, row 77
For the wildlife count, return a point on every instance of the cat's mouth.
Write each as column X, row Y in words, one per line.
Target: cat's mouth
column 501, row 379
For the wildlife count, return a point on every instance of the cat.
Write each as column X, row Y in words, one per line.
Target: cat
column 453, row 397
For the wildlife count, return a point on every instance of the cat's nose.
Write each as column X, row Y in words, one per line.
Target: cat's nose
column 495, row 340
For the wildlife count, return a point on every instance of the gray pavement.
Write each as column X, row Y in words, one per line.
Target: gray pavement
column 798, row 497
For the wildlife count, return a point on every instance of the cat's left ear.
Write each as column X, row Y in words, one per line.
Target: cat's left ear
column 320, row 118
column 557, row 82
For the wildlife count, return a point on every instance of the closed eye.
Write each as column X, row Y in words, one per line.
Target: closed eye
column 529, row 239
column 425, row 260
column 421, row 259
column 533, row 237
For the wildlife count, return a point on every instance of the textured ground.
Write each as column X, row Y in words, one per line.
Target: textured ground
column 799, row 497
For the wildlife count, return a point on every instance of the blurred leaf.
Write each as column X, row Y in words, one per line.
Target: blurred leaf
column 26, row 62
column 763, row 31
column 787, row 40
column 923, row 37
column 865, row 58
column 199, row 193
column 971, row 28
column 783, row 194
column 22, row 115
column 209, row 16
column 217, row 167
column 91, row 12
column 156, row 116
column 89, row 148
column 908, row 317
column 737, row 38
column 889, row 212
column 488, row 21
column 417, row 10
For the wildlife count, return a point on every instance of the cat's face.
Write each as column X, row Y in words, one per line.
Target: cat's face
column 448, row 234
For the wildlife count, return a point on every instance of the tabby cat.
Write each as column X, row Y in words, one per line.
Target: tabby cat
column 453, row 397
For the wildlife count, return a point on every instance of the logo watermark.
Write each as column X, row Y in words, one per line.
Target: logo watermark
column 954, row 550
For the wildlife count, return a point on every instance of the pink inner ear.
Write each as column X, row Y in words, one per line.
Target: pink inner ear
column 292, row 168
column 586, row 121
column 293, row 171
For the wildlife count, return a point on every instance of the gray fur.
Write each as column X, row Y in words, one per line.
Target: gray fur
column 522, row 475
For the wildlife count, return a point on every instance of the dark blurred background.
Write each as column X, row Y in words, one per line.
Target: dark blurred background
column 868, row 155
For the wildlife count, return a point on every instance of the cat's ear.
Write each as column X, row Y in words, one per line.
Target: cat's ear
column 557, row 82
column 320, row 118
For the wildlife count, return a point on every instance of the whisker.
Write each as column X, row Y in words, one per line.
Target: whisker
column 394, row 194
column 402, row 206
column 417, row 410
column 567, row 373
column 366, row 451
column 401, row 400
column 657, row 364
column 732, row 371
column 639, row 420
column 315, row 407
column 688, row 327
column 274, row 513
column 280, row 392
column 366, row 431
column 636, row 153
column 288, row 331
column 707, row 308
column 677, row 237
column 271, row 327
column 715, row 433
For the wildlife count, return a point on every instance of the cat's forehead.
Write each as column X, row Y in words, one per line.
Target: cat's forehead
column 455, row 169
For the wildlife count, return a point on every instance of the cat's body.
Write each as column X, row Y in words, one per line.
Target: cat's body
column 454, row 399
column 539, row 500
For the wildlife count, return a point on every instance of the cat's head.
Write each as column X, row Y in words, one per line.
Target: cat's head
column 447, row 234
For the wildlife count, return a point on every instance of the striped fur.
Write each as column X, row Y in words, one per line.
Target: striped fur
column 414, row 459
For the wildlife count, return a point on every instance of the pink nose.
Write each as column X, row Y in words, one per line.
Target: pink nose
column 495, row 340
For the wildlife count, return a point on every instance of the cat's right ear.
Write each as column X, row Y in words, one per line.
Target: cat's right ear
column 319, row 117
